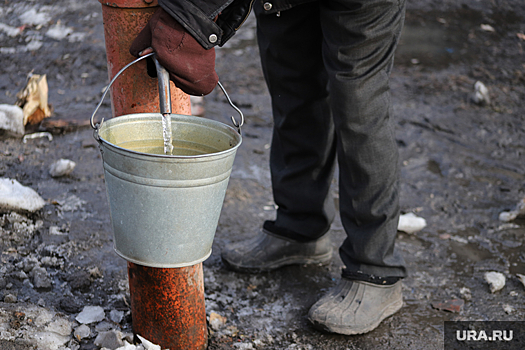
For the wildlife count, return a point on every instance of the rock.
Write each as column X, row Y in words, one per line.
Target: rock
column 116, row 316
column 12, row 119
column 104, row 326
column 481, row 94
column 14, row 196
column 41, row 279
column 79, row 280
column 496, row 281
column 111, row 339
column 69, row 305
column 91, row 314
column 518, row 211
column 147, row 344
column 465, row 293
column 62, row 167
column 508, row 308
column 217, row 321
column 81, row 332
column 10, row 298
column 410, row 223
column 453, row 305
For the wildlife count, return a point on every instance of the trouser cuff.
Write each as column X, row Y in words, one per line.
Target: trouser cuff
column 360, row 276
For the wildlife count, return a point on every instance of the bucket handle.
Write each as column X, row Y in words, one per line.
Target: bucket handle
column 95, row 126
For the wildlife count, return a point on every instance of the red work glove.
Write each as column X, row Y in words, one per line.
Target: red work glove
column 191, row 67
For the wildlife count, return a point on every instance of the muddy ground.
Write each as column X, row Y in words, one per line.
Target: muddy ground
column 462, row 165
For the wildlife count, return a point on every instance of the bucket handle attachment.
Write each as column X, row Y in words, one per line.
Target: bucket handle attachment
column 164, row 100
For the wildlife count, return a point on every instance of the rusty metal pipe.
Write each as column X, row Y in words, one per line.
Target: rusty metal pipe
column 134, row 91
column 167, row 304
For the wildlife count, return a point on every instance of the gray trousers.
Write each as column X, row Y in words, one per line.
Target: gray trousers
column 327, row 65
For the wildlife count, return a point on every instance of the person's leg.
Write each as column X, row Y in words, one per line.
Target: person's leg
column 360, row 37
column 303, row 145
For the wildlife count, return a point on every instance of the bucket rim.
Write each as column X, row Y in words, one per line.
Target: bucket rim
column 169, row 156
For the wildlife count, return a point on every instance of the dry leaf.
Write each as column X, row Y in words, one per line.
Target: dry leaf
column 33, row 100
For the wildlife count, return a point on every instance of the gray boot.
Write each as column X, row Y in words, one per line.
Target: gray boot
column 267, row 252
column 355, row 307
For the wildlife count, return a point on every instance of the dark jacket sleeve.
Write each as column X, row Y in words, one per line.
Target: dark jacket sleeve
column 199, row 18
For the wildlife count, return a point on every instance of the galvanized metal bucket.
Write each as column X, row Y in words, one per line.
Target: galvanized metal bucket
column 165, row 208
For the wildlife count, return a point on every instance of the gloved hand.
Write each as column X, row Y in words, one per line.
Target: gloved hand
column 191, row 67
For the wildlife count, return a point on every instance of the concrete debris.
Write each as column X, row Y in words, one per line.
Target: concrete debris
column 521, row 278
column 82, row 332
column 14, row 196
column 496, row 281
column 111, row 339
column 247, row 346
column 116, row 316
column 35, row 326
column 512, row 215
column 410, row 223
column 40, row 278
column 91, row 314
column 481, row 94
column 217, row 321
column 12, row 119
column 62, row 167
column 147, row 344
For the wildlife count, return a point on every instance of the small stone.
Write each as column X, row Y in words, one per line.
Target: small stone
column 453, row 305
column 80, row 280
column 104, row 326
column 217, row 321
column 481, row 94
column 61, row 167
column 496, row 281
column 82, row 332
column 69, row 305
column 508, row 309
column 466, row 293
column 111, row 339
column 41, row 279
column 410, row 223
column 3, row 283
column 91, row 314
column 10, row 298
column 41, row 302
column 116, row 316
